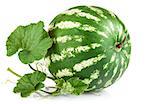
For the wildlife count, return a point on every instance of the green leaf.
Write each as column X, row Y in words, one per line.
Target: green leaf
column 30, row 83
column 33, row 41
column 59, row 82
column 66, row 88
column 72, row 86
column 78, row 85
column 62, row 87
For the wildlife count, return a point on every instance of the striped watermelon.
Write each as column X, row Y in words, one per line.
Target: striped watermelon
column 90, row 43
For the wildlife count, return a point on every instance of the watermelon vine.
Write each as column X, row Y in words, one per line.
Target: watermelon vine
column 86, row 48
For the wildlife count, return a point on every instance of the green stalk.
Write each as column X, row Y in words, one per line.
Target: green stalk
column 14, row 73
column 46, row 92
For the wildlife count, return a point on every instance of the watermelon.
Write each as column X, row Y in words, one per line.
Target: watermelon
column 90, row 43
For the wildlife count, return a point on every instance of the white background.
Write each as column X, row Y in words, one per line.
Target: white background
column 133, row 87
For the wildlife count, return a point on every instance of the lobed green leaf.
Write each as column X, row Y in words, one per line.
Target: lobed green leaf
column 33, row 41
column 30, row 83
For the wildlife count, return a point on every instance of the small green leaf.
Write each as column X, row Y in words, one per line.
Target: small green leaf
column 66, row 88
column 78, row 85
column 32, row 39
column 59, row 82
column 72, row 86
column 30, row 83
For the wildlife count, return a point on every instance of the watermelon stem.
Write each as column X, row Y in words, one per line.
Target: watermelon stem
column 120, row 44
column 46, row 92
column 13, row 72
